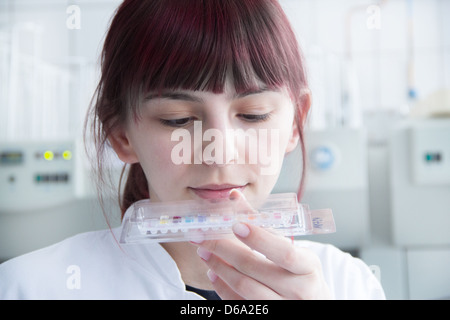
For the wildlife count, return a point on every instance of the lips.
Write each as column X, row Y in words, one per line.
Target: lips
column 216, row 191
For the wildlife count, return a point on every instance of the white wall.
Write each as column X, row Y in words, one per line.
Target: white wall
column 380, row 56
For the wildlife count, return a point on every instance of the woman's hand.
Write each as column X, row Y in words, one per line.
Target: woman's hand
column 261, row 265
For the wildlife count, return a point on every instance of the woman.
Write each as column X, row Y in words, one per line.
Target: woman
column 171, row 65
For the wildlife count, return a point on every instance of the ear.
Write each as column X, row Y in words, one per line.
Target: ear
column 120, row 142
column 305, row 105
column 301, row 112
column 293, row 139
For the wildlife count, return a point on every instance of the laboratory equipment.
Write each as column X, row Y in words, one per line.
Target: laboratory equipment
column 46, row 195
column 420, row 182
column 193, row 220
column 38, row 172
column 337, row 178
column 419, row 161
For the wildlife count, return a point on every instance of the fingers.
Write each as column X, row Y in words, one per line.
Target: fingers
column 277, row 249
column 221, row 288
column 240, row 201
column 230, row 283
column 234, row 253
column 249, row 275
column 261, row 265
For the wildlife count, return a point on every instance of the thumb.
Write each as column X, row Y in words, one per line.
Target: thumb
column 241, row 202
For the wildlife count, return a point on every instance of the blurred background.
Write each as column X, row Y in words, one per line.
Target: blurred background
column 378, row 135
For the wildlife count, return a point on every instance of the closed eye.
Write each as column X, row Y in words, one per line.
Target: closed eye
column 255, row 117
column 177, row 123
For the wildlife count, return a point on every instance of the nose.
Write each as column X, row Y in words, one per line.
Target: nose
column 217, row 146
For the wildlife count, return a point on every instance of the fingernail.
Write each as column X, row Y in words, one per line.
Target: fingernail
column 233, row 195
column 212, row 276
column 203, row 253
column 241, row 230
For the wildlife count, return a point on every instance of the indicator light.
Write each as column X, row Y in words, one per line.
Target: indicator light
column 48, row 155
column 433, row 157
column 67, row 155
column 323, row 158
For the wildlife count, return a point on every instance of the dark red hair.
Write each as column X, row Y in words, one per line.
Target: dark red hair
column 153, row 45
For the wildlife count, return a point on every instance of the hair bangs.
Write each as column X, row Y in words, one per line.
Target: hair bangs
column 203, row 44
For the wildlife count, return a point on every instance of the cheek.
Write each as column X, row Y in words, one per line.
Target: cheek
column 163, row 176
column 273, row 147
column 154, row 156
column 277, row 138
column 158, row 156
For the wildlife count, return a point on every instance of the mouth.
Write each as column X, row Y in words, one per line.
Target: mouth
column 216, row 191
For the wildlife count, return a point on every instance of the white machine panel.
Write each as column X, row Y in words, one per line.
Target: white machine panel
column 33, row 175
column 420, row 196
column 337, row 178
column 430, row 153
column 428, row 273
column 46, row 195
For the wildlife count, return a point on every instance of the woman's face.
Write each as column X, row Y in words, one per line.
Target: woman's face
column 197, row 144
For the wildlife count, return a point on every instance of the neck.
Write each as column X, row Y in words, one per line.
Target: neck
column 192, row 268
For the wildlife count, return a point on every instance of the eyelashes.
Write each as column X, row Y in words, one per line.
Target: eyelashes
column 255, row 117
column 181, row 122
column 176, row 123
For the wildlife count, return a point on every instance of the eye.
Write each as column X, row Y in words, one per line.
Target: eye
column 176, row 122
column 255, row 117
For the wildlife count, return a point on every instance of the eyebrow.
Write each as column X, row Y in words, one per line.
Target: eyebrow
column 173, row 95
column 182, row 96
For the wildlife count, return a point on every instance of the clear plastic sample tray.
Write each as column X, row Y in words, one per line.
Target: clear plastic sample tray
column 193, row 220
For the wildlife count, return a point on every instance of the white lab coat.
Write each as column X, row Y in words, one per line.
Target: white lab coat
column 95, row 266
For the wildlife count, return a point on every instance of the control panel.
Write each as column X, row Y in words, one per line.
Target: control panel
column 36, row 174
column 430, row 153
